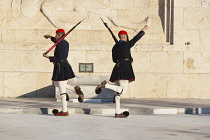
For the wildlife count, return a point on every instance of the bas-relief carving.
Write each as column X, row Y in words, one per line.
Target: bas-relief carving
column 63, row 14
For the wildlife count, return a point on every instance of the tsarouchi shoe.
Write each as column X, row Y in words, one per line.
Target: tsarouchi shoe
column 98, row 88
column 61, row 113
column 125, row 114
column 80, row 93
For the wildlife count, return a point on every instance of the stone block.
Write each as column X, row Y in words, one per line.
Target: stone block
column 66, row 21
column 142, row 3
column 18, row 46
column 181, row 37
column 167, row 62
column 182, row 86
column 123, row 4
column 112, row 111
column 141, row 61
column 42, row 32
column 19, row 84
column 88, row 80
column 141, row 111
column 88, row 101
column 88, row 46
column 187, row 3
column 179, row 18
column 76, row 57
column 34, row 61
column 150, row 85
column 46, row 46
column 203, row 88
column 107, row 46
column 188, row 86
column 39, row 21
column 89, row 36
column 142, row 47
column 151, row 39
column 204, row 17
column 102, row 60
column 197, row 62
column 205, row 41
column 205, row 110
column 157, row 48
column 165, row 111
column 11, row 110
column 0, row 35
column 10, row 60
column 100, row 4
column 180, row 110
column 44, row 86
column 95, row 22
column 88, row 111
column 156, row 25
column 20, row 35
column 1, row 84
column 137, row 23
column 189, row 18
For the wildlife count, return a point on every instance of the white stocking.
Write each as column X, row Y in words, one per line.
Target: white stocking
column 117, row 104
column 62, row 89
column 120, row 87
column 114, row 88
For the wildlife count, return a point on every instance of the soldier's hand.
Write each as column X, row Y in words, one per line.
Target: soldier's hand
column 106, row 25
column 146, row 27
column 46, row 56
column 47, row 36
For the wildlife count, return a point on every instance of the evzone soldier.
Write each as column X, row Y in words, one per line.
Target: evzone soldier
column 62, row 71
column 122, row 72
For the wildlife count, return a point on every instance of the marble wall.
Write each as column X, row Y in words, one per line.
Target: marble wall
column 172, row 60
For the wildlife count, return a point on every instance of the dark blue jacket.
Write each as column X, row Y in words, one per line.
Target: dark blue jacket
column 62, row 69
column 121, row 50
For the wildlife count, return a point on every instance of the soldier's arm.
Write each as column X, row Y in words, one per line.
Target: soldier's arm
column 51, row 58
column 138, row 36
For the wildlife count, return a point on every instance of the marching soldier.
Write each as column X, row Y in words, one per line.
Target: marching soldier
column 62, row 71
column 122, row 72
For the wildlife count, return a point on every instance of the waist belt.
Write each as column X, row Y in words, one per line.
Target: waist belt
column 64, row 61
column 61, row 61
column 126, row 59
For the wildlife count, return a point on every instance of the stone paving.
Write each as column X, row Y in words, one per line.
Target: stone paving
column 104, row 127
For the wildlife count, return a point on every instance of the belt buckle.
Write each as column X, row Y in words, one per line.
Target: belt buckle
column 118, row 64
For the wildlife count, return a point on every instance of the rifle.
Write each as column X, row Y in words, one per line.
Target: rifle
column 113, row 36
column 59, row 40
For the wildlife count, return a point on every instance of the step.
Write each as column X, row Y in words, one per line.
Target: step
column 107, row 111
column 88, row 85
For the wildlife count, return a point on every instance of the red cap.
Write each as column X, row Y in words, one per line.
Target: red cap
column 60, row 31
column 122, row 32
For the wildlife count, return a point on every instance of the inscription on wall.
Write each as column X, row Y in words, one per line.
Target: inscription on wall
column 205, row 3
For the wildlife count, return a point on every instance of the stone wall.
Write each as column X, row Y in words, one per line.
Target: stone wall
column 170, row 61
